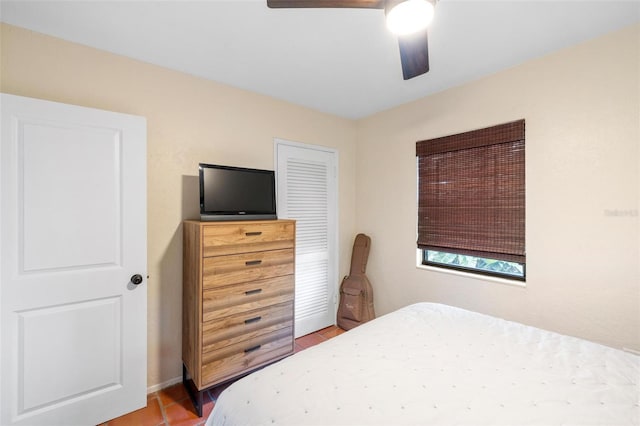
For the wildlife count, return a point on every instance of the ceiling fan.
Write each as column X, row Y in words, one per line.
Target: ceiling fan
column 407, row 18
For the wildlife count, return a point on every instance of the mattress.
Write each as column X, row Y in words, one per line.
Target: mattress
column 432, row 364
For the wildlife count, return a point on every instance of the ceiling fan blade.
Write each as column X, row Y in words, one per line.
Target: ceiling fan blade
column 414, row 54
column 355, row 4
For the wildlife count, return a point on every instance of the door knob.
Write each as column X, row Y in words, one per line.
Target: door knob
column 136, row 279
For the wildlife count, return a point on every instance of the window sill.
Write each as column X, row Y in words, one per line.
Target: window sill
column 498, row 280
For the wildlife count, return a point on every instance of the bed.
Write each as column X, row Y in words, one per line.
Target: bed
column 432, row 364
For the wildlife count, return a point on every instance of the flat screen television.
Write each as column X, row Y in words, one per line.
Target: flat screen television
column 236, row 193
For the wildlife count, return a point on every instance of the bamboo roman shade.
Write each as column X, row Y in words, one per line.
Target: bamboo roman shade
column 471, row 193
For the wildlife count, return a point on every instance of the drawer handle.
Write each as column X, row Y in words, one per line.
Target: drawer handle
column 250, row 292
column 252, row 262
column 250, row 320
column 255, row 348
column 253, row 234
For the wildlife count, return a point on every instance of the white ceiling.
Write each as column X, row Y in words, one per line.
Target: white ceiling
column 339, row 61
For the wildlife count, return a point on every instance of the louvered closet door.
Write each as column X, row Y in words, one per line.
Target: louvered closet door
column 306, row 188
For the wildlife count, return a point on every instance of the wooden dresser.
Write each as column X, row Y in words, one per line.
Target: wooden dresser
column 237, row 299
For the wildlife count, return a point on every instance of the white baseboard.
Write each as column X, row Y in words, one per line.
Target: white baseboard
column 171, row 382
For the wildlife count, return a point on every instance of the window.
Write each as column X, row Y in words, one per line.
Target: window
column 471, row 201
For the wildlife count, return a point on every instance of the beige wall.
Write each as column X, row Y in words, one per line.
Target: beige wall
column 581, row 107
column 189, row 120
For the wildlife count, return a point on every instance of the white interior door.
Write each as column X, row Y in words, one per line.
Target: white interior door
column 307, row 192
column 73, row 231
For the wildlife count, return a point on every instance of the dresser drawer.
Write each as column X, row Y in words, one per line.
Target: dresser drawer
column 232, row 360
column 243, row 237
column 220, row 302
column 246, row 325
column 237, row 268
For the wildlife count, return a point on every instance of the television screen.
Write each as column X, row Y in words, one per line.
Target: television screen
column 235, row 193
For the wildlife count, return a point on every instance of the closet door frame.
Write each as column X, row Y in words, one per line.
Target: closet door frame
column 308, row 321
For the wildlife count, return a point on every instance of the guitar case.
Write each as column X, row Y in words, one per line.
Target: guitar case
column 356, row 294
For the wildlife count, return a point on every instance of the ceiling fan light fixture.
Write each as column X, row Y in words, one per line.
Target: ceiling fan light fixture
column 409, row 16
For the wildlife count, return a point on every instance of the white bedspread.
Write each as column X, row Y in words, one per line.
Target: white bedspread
column 431, row 364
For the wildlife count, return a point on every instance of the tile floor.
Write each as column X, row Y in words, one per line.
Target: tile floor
column 172, row 406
